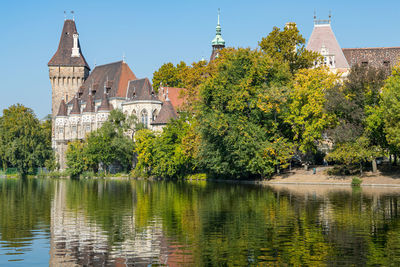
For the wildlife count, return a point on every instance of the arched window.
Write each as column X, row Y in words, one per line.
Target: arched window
column 154, row 115
column 144, row 117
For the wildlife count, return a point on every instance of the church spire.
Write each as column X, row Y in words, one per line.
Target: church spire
column 218, row 37
column 217, row 43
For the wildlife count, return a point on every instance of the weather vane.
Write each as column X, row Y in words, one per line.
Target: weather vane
column 73, row 16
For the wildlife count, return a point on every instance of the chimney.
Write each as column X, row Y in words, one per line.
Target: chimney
column 75, row 48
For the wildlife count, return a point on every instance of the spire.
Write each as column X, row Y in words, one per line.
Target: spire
column 217, row 43
column 105, row 104
column 62, row 111
column 69, row 52
column 75, row 106
column 218, row 37
column 89, row 103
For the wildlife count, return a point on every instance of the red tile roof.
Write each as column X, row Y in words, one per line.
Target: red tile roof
column 114, row 75
column 174, row 94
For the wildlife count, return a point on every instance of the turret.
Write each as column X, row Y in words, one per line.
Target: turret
column 68, row 68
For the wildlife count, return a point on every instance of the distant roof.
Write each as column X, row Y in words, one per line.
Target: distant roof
column 166, row 114
column 374, row 56
column 141, row 89
column 63, row 57
column 322, row 35
column 174, row 94
column 115, row 75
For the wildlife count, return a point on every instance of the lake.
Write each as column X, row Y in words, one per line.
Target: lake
column 143, row 223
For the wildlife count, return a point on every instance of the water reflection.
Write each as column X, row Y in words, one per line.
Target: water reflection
column 126, row 223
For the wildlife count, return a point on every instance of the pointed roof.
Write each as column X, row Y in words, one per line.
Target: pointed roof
column 90, row 107
column 62, row 110
column 63, row 55
column 76, row 109
column 166, row 114
column 141, row 89
column 105, row 104
column 322, row 35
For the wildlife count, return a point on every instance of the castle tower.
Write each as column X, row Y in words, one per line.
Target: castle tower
column 68, row 68
column 217, row 43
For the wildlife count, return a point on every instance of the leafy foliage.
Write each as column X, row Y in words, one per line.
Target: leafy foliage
column 25, row 142
column 239, row 132
column 288, row 46
column 168, row 75
column 168, row 154
column 390, row 108
column 307, row 114
column 109, row 145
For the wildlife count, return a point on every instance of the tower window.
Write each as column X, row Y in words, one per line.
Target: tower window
column 364, row 63
column 386, row 63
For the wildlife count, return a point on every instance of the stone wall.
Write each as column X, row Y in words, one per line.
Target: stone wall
column 65, row 82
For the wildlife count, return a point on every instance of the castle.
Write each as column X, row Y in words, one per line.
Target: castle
column 83, row 99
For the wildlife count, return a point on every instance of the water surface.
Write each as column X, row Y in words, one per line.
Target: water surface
column 126, row 223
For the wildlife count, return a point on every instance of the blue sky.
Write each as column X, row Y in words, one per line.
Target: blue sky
column 151, row 33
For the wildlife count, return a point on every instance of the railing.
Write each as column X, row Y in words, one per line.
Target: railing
column 322, row 21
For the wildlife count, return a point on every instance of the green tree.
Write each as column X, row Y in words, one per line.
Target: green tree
column 307, row 114
column 25, row 142
column 240, row 137
column 76, row 158
column 168, row 75
column 356, row 106
column 170, row 158
column 144, row 149
column 109, row 144
column 288, row 46
column 357, row 152
column 391, row 105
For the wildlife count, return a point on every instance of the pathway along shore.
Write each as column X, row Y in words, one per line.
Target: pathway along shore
column 301, row 176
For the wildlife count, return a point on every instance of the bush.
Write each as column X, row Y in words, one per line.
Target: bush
column 356, row 181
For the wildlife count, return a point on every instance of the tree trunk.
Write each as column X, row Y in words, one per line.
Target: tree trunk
column 374, row 167
column 361, row 169
column 395, row 160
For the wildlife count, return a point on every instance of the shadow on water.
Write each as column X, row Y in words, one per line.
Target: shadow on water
column 109, row 222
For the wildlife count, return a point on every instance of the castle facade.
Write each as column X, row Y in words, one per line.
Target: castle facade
column 82, row 99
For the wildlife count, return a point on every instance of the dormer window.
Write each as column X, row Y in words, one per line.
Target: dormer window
column 364, row 63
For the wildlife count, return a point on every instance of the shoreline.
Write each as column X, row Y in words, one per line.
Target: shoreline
column 307, row 177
